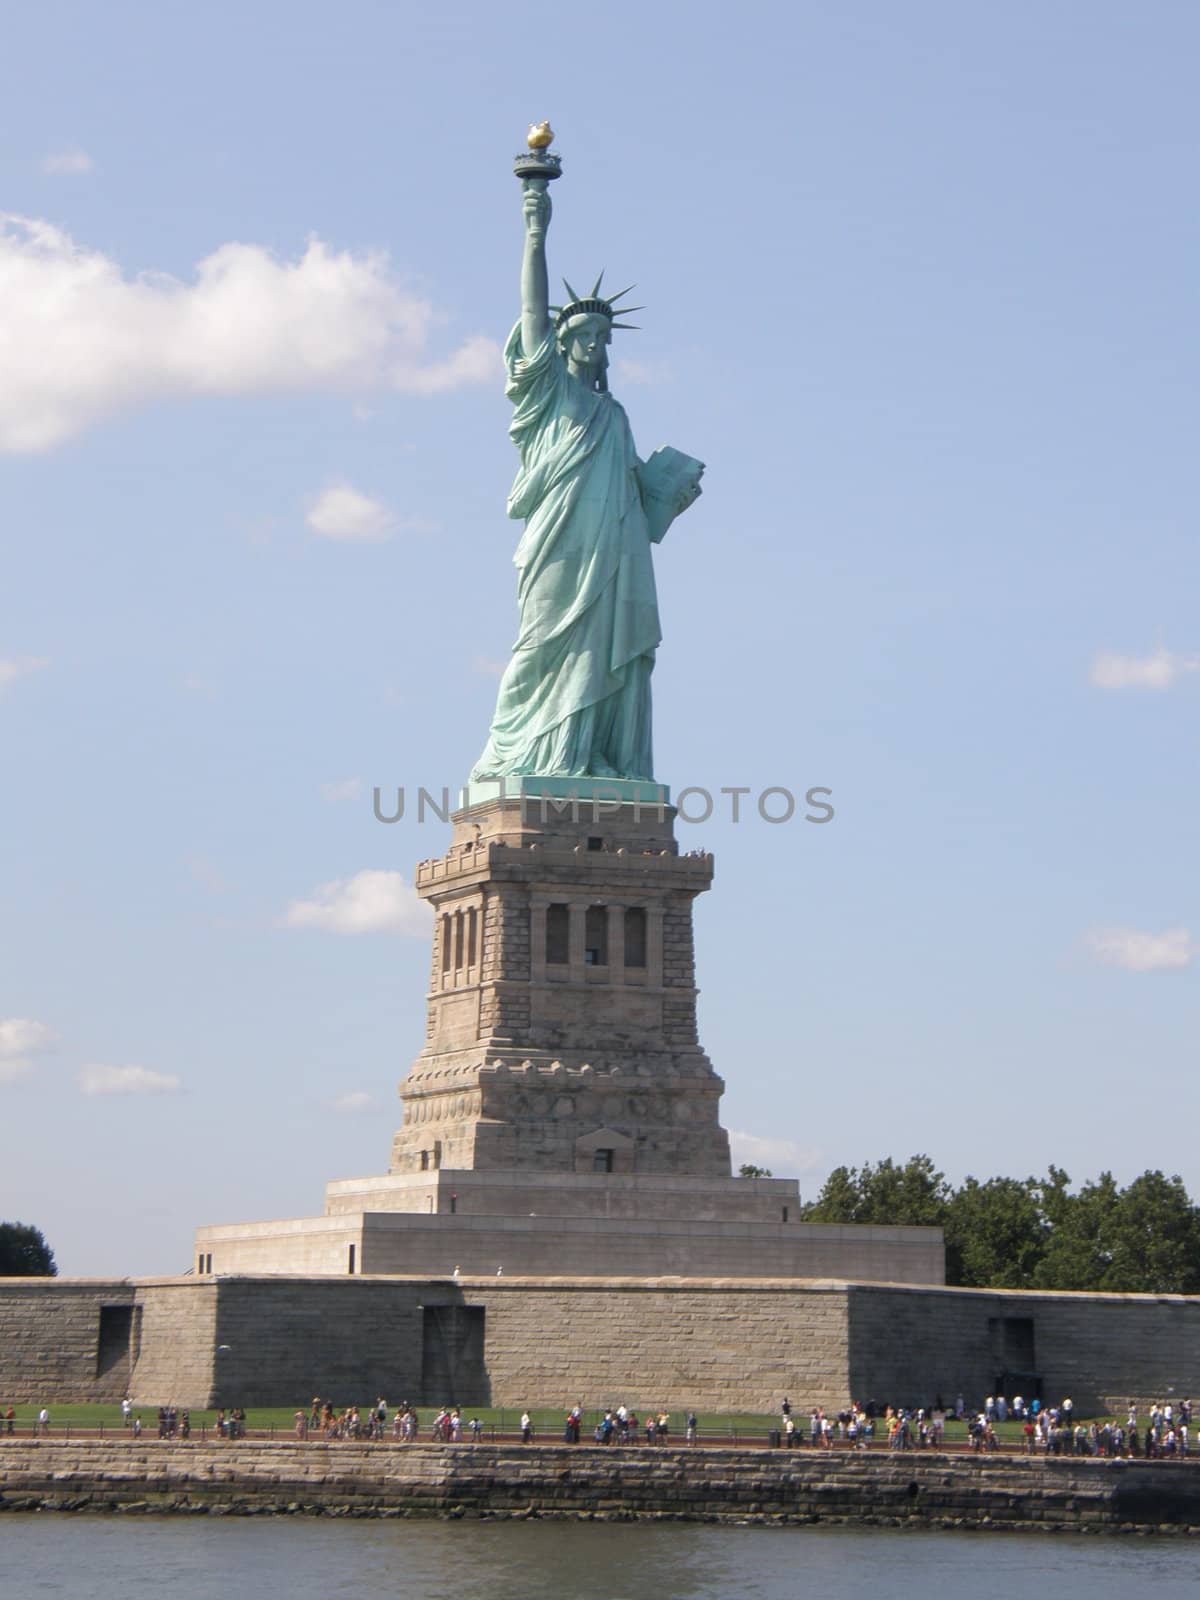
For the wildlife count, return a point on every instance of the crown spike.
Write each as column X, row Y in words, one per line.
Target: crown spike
column 634, row 327
column 571, row 292
column 595, row 289
column 613, row 298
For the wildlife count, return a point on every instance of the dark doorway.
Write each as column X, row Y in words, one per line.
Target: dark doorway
column 114, row 1345
column 1014, row 1357
column 453, row 1371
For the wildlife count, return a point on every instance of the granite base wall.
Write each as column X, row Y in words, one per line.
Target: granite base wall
column 718, row 1344
column 908, row 1345
column 721, row 1346
column 50, row 1339
column 178, row 1355
column 925, row 1490
column 348, row 1339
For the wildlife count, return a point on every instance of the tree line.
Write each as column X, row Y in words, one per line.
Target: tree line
column 1032, row 1233
column 24, row 1252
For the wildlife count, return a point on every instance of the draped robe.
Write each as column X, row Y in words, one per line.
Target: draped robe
column 575, row 698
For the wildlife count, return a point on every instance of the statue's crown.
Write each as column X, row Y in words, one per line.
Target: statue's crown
column 593, row 304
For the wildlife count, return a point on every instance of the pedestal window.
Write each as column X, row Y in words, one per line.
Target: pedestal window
column 635, row 936
column 595, row 936
column 558, row 932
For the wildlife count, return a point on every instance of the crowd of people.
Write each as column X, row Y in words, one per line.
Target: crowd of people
column 172, row 1423
column 621, row 1425
column 1052, row 1430
column 1163, row 1433
column 858, row 1426
column 615, row 1425
column 323, row 1421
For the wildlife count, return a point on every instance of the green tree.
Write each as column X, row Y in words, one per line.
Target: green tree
column 840, row 1199
column 995, row 1234
column 1078, row 1250
column 1144, row 1239
column 24, row 1252
column 1154, row 1240
column 915, row 1194
column 749, row 1170
column 1009, row 1233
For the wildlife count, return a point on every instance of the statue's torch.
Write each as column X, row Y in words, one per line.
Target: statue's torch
column 539, row 165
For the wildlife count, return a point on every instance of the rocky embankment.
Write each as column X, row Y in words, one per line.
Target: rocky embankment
column 914, row 1489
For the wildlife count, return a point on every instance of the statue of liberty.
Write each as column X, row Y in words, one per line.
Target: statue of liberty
column 575, row 698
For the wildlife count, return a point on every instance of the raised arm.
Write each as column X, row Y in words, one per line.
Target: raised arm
column 535, row 284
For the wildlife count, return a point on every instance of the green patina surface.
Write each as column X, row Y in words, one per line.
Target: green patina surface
column 594, row 794
column 575, row 697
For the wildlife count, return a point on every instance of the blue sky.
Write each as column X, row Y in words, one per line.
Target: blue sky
column 920, row 288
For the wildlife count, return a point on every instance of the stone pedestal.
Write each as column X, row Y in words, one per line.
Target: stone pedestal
column 561, row 1032
column 562, row 1115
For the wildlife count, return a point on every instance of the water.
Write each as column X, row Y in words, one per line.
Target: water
column 104, row 1558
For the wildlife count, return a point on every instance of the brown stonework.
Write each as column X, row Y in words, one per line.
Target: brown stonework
column 563, row 1000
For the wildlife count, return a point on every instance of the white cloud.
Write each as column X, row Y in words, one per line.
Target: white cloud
column 784, row 1157
column 99, row 1079
column 1162, row 669
column 68, row 163
column 347, row 789
column 83, row 341
column 372, row 901
column 1136, row 951
column 343, row 512
column 356, row 1102
column 21, row 1038
column 14, row 667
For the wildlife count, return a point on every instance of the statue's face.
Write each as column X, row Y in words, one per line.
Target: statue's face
column 584, row 342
